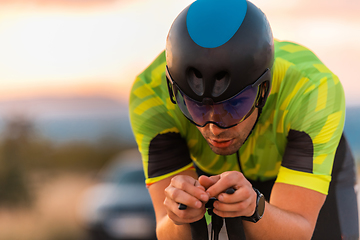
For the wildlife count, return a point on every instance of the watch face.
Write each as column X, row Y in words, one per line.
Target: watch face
column 261, row 205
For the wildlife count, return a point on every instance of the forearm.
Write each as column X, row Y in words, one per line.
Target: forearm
column 168, row 215
column 279, row 224
column 166, row 229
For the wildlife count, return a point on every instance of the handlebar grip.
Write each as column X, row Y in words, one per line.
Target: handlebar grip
column 199, row 230
column 234, row 226
column 182, row 206
column 228, row 191
column 235, row 229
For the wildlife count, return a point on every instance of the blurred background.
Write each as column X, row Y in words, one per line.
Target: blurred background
column 66, row 68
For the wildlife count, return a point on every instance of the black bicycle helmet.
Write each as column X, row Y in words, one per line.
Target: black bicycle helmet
column 216, row 48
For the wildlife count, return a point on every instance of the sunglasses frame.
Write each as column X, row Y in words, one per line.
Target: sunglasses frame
column 266, row 76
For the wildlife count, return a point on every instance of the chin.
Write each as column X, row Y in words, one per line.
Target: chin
column 224, row 151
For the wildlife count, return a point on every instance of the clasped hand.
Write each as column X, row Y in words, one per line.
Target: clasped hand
column 195, row 193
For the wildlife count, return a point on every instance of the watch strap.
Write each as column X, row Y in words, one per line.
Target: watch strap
column 259, row 210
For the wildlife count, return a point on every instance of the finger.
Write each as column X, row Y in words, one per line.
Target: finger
column 203, row 198
column 244, row 208
column 181, row 217
column 208, row 181
column 238, row 195
column 180, row 196
column 198, row 185
column 191, row 187
column 227, row 179
column 240, row 207
column 241, row 203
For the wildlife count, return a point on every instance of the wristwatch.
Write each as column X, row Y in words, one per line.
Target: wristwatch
column 259, row 210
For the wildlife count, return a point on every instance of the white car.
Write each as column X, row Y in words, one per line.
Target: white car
column 120, row 206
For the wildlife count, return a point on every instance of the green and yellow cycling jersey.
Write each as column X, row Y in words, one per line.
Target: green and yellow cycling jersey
column 294, row 140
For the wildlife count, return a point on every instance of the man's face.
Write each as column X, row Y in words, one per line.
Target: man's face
column 228, row 141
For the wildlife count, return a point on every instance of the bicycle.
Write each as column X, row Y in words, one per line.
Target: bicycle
column 199, row 229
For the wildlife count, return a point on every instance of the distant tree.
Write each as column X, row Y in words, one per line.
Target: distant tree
column 27, row 158
column 14, row 189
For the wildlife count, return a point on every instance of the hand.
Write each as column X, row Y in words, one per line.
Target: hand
column 186, row 190
column 241, row 203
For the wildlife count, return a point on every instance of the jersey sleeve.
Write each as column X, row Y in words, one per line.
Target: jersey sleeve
column 313, row 114
column 156, row 125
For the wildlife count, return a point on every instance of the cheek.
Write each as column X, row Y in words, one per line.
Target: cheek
column 242, row 130
column 202, row 130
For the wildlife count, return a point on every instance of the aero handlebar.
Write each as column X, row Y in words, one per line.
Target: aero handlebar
column 199, row 229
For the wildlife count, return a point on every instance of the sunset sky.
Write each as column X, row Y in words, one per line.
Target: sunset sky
column 96, row 47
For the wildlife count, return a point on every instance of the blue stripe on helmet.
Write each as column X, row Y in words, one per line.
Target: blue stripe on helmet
column 211, row 23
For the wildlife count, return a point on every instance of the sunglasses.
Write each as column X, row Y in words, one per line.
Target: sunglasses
column 224, row 114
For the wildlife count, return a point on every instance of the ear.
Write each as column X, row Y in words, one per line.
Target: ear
column 263, row 94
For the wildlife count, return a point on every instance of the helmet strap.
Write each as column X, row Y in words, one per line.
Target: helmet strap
column 257, row 118
column 263, row 94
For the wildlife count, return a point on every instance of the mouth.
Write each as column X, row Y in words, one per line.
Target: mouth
column 220, row 143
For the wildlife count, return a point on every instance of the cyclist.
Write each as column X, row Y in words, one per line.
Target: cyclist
column 226, row 105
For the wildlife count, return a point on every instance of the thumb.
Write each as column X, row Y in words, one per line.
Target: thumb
column 208, row 181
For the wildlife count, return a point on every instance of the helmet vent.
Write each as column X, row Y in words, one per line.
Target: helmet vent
column 222, row 81
column 196, row 81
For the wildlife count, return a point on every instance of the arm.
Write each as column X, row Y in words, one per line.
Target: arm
column 172, row 223
column 291, row 213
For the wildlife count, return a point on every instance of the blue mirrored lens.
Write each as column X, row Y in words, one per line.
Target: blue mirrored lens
column 225, row 114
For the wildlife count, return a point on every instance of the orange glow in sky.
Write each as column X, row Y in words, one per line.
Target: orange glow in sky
column 67, row 49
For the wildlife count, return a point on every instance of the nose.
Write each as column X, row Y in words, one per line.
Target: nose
column 215, row 130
